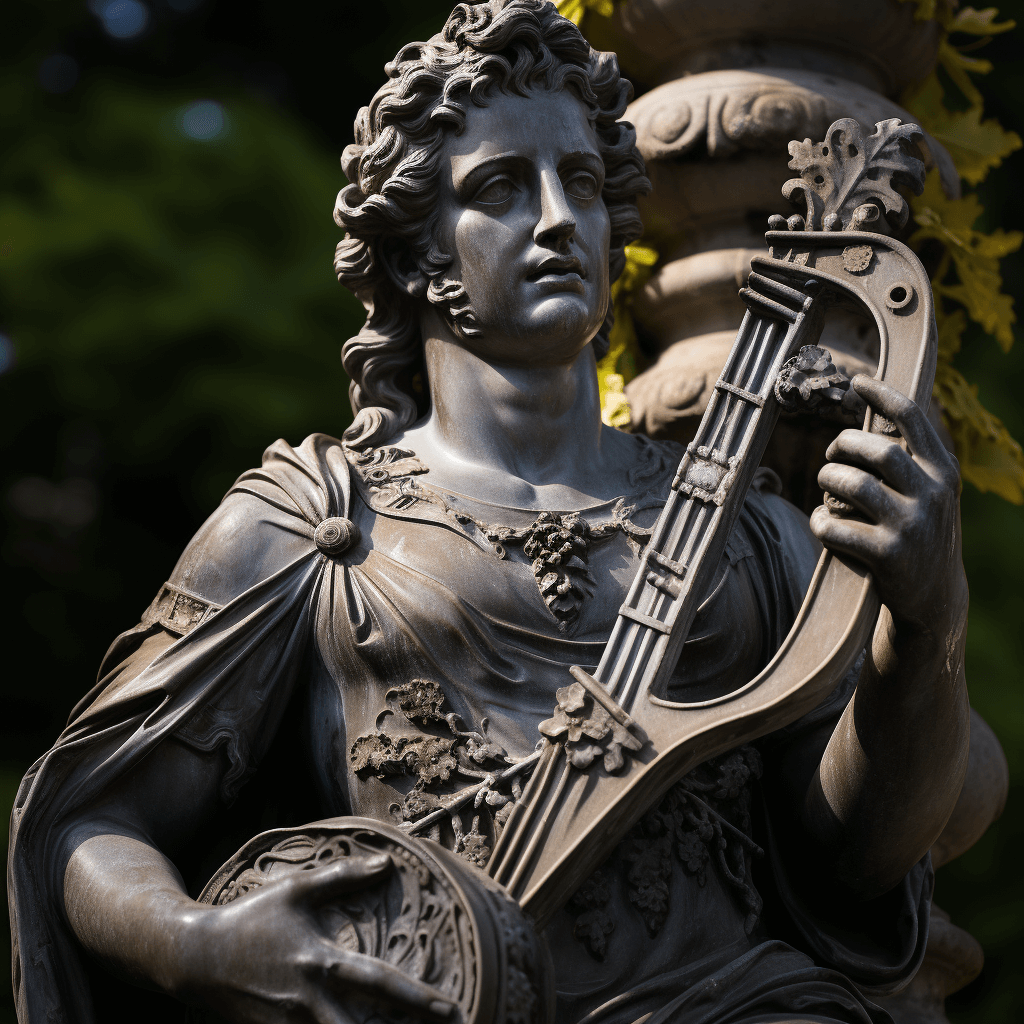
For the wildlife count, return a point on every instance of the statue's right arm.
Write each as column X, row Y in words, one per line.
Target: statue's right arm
column 260, row 958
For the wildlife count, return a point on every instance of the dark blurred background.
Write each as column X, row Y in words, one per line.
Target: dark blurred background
column 168, row 308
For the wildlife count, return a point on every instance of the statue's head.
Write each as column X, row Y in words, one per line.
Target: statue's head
column 394, row 255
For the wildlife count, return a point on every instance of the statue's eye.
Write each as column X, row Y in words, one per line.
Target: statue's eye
column 495, row 192
column 582, row 186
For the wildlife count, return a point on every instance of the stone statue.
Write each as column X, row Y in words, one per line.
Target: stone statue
column 409, row 629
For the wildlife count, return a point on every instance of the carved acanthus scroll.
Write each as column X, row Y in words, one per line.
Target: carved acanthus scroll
column 850, row 180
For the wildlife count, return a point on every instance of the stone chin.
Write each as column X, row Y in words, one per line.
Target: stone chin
column 559, row 328
column 554, row 329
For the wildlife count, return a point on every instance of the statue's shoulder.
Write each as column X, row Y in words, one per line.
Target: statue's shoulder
column 657, row 460
column 266, row 520
column 652, row 464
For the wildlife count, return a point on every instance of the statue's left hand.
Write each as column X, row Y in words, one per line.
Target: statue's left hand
column 894, row 765
column 906, row 529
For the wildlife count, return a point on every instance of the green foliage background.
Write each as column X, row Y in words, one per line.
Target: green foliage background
column 172, row 310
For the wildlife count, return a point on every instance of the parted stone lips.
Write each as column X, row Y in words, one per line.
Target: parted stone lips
column 561, row 266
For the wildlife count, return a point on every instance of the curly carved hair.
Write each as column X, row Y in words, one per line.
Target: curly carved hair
column 394, row 166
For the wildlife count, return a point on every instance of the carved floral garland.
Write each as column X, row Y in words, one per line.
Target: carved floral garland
column 587, row 731
column 557, row 543
column 449, row 754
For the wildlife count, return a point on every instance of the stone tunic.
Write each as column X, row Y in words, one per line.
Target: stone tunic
column 425, row 657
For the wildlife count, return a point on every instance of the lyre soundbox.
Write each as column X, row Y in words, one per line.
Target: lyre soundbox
column 615, row 744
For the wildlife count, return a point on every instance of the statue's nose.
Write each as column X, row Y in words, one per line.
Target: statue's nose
column 556, row 224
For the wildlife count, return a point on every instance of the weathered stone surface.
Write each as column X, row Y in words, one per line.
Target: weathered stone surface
column 877, row 43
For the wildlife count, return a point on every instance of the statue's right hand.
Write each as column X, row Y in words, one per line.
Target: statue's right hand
column 263, row 958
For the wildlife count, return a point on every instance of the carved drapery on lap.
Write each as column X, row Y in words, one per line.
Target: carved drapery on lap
column 704, row 824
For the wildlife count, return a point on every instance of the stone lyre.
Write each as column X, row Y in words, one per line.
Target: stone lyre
column 583, row 798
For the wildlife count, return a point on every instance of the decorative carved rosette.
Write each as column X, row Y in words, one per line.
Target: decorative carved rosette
column 811, row 383
column 433, row 916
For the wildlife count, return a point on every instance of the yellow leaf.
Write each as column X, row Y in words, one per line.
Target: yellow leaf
column 959, row 61
column 991, row 468
column 615, row 409
column 971, row 159
column 573, row 10
column 974, row 255
column 969, row 275
column 642, row 254
column 925, row 9
column 926, row 103
column 979, row 23
column 952, row 222
column 959, row 68
column 639, row 258
column 989, row 457
column 975, row 145
column 988, row 307
column 619, row 363
column 951, row 330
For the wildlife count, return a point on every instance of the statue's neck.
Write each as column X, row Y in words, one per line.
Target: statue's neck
column 521, row 434
column 534, row 422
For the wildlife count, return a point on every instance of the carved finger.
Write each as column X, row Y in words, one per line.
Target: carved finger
column 908, row 416
column 863, row 490
column 381, row 980
column 859, row 540
column 343, row 876
column 879, row 455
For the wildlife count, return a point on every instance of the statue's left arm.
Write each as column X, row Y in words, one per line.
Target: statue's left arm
column 894, row 765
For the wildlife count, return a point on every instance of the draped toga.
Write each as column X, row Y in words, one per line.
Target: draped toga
column 422, row 659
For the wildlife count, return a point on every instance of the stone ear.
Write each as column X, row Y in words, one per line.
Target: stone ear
column 404, row 270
